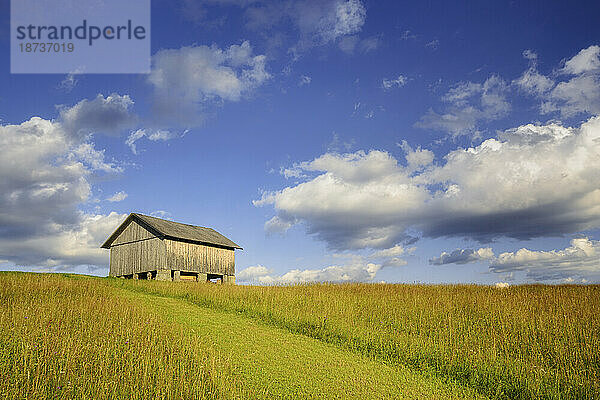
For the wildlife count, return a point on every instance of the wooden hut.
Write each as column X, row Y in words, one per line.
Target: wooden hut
column 144, row 247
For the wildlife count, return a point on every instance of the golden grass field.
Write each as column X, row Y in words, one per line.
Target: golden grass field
column 83, row 337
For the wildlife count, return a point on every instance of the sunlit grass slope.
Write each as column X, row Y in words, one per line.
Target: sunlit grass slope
column 77, row 338
column 273, row 363
column 92, row 338
column 524, row 342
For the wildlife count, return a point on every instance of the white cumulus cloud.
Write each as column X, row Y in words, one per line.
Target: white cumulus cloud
column 356, row 269
column 119, row 196
column 467, row 106
column 109, row 115
column 504, row 187
column 581, row 259
column 349, row 18
column 188, row 79
column 573, row 90
column 587, row 60
column 463, row 256
column 533, row 82
column 255, row 274
column 44, row 179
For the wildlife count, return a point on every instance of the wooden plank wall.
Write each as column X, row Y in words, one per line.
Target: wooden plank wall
column 132, row 233
column 141, row 256
column 199, row 258
column 137, row 250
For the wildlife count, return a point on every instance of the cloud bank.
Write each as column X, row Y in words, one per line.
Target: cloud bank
column 356, row 269
column 504, row 187
column 44, row 180
column 463, row 256
column 581, row 259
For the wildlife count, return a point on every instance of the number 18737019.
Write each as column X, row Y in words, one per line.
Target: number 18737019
column 41, row 47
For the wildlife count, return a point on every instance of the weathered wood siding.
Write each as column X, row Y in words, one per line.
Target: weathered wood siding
column 136, row 257
column 199, row 258
column 132, row 233
column 137, row 250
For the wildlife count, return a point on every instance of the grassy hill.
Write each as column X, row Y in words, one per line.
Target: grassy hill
column 65, row 336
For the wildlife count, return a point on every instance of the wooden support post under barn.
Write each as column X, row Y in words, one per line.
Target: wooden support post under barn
column 144, row 247
column 163, row 275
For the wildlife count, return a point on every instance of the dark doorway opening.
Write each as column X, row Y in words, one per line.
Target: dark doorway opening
column 214, row 278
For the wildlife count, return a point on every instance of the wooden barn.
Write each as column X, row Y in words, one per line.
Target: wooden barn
column 144, row 247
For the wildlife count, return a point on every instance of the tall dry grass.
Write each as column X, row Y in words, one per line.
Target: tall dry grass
column 77, row 338
column 523, row 342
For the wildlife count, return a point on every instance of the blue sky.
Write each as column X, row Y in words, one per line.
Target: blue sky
column 333, row 140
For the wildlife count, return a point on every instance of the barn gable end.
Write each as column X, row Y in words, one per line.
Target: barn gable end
column 138, row 258
column 133, row 232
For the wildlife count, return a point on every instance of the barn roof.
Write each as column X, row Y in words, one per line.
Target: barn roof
column 173, row 230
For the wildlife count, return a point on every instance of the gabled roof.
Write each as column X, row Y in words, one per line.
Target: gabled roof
column 173, row 230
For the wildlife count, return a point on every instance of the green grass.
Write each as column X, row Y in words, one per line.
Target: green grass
column 525, row 342
column 272, row 362
column 77, row 338
column 93, row 338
